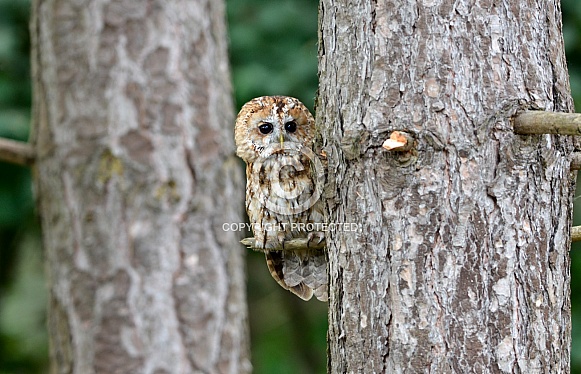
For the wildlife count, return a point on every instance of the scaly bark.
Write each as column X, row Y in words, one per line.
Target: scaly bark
column 135, row 176
column 461, row 261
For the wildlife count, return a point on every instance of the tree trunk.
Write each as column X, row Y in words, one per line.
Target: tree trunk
column 460, row 263
column 134, row 180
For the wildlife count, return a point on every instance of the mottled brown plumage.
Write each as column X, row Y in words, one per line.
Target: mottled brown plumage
column 274, row 136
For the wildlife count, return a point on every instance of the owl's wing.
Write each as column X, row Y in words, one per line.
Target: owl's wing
column 303, row 273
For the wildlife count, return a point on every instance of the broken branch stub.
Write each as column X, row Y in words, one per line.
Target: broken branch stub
column 399, row 141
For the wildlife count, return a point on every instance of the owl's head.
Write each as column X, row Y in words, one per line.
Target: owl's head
column 271, row 120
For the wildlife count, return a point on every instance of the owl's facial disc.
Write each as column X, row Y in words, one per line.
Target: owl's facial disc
column 269, row 121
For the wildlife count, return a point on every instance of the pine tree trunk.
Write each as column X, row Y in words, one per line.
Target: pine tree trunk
column 134, row 180
column 460, row 263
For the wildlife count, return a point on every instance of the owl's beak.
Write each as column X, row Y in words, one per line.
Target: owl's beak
column 281, row 140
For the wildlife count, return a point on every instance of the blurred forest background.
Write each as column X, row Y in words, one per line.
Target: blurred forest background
column 273, row 50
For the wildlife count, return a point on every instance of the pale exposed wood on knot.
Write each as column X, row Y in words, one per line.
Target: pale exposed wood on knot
column 399, row 141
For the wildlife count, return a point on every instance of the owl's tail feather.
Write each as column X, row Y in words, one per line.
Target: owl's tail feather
column 303, row 273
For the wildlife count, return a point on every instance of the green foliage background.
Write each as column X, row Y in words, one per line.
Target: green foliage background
column 273, row 51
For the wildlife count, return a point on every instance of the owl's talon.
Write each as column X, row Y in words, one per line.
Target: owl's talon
column 315, row 235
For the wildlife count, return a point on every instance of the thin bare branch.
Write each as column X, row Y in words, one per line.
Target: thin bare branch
column 540, row 122
column 16, row 152
column 576, row 234
column 299, row 244
column 576, row 161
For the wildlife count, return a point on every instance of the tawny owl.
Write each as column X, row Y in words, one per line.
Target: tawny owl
column 275, row 136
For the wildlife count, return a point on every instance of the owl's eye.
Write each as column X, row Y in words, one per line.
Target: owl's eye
column 290, row 126
column 265, row 128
